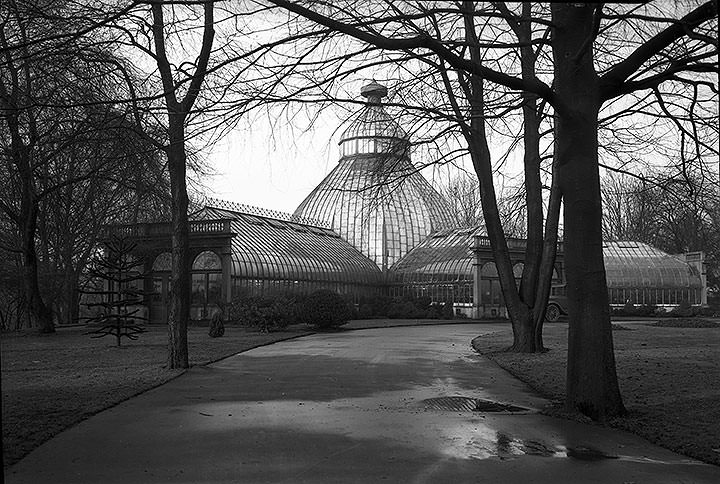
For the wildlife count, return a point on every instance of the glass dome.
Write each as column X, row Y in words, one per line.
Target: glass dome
column 375, row 198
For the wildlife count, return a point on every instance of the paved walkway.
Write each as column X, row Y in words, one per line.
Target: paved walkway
column 348, row 407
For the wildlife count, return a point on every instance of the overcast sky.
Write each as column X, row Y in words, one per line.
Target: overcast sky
column 276, row 165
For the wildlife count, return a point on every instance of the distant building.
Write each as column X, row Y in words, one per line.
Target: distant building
column 376, row 226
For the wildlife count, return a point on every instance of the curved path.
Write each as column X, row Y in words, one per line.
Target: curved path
column 348, row 407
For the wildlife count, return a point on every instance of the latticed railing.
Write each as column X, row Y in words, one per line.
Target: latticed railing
column 264, row 212
column 482, row 242
column 209, row 226
column 220, row 226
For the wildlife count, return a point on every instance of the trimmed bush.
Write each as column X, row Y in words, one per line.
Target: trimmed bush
column 217, row 328
column 684, row 310
column 324, row 309
column 263, row 313
column 447, row 311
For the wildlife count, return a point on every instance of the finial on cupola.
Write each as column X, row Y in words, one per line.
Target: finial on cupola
column 374, row 92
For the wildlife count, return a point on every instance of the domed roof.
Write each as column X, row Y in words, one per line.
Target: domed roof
column 635, row 264
column 375, row 198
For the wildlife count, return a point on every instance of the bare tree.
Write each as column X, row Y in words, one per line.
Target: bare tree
column 576, row 89
column 56, row 126
column 675, row 213
column 75, row 156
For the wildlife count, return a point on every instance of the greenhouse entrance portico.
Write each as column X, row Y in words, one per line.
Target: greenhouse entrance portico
column 376, row 227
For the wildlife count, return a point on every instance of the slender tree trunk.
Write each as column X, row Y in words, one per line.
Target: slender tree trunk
column 592, row 386
column 547, row 263
column 179, row 311
column 531, row 165
column 526, row 305
column 178, row 111
column 519, row 313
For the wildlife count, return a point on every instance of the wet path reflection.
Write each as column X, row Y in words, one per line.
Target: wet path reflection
column 353, row 408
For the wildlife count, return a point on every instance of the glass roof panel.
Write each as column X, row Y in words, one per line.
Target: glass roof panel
column 634, row 264
column 264, row 248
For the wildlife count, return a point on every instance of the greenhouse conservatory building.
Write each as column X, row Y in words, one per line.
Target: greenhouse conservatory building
column 375, row 226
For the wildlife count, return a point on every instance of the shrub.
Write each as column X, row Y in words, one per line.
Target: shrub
column 217, row 328
column 404, row 310
column 380, row 306
column 686, row 323
column 403, row 307
column 646, row 310
column 324, row 309
column 447, row 311
column 628, row 309
column 435, row 311
column 264, row 313
column 684, row 310
column 365, row 311
column 708, row 312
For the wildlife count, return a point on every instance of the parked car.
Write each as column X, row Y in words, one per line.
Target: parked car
column 557, row 303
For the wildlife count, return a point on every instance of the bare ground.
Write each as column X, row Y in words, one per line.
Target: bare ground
column 669, row 378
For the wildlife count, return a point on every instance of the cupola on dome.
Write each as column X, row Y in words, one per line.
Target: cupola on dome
column 373, row 130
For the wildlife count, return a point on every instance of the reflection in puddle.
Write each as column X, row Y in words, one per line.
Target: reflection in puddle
column 588, row 453
column 478, row 441
column 510, row 447
column 394, row 418
column 481, row 442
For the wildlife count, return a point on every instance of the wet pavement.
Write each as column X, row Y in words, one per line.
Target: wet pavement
column 408, row 404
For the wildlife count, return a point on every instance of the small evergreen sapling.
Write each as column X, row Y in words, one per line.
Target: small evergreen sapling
column 119, row 298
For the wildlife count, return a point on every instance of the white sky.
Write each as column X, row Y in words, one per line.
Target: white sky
column 276, row 167
column 276, row 172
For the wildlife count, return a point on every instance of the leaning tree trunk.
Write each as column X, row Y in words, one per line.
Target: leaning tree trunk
column 592, row 386
column 179, row 312
column 518, row 311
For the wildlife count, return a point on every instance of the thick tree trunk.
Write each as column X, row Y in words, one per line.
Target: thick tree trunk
column 592, row 386
column 40, row 312
column 179, row 311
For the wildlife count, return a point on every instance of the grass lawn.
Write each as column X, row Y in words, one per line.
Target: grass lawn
column 51, row 382
column 669, row 378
